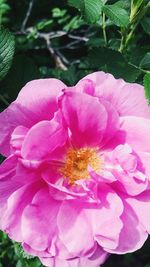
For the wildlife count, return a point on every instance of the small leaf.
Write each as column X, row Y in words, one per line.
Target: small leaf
column 145, row 62
column 117, row 15
column 58, row 13
column 90, row 9
column 147, row 86
column 7, row 47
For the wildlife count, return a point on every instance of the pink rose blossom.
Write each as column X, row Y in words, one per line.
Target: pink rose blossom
column 75, row 184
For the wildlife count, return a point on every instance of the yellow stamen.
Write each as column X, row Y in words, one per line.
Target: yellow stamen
column 77, row 162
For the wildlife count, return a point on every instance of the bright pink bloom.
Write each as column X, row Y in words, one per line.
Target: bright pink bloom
column 75, row 184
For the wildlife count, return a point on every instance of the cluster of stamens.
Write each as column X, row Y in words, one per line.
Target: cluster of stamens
column 77, row 163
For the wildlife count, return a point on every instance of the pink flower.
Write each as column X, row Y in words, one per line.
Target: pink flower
column 75, row 184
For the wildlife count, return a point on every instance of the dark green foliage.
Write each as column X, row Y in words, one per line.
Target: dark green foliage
column 90, row 9
column 117, row 14
column 67, row 40
column 7, row 46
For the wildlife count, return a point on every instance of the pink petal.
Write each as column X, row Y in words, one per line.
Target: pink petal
column 141, row 207
column 8, row 167
column 36, row 101
column 104, row 218
column 31, row 251
column 10, row 118
column 113, row 123
column 85, row 86
column 127, row 98
column 130, row 185
column 73, row 227
column 39, row 97
column 85, row 117
column 8, row 183
column 16, row 204
column 42, row 139
column 127, row 168
column 133, row 234
column 97, row 258
column 136, row 131
column 39, row 220
column 145, row 159
column 17, row 139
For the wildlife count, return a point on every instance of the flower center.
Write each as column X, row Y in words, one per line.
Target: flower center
column 77, row 163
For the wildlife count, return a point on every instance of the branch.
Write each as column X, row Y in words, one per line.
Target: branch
column 29, row 10
column 57, row 59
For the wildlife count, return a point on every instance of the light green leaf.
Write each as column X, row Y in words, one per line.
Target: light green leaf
column 147, row 86
column 145, row 62
column 58, row 13
column 90, row 9
column 7, row 47
column 118, row 15
column 73, row 24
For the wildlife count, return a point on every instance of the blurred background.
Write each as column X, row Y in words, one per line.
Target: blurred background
column 63, row 39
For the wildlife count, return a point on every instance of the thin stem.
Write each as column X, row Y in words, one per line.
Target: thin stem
column 142, row 70
column 29, row 10
column 123, row 40
column 104, row 29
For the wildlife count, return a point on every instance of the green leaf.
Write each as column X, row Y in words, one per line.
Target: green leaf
column 123, row 4
column 118, row 15
column 90, row 9
column 7, row 47
column 112, row 61
column 73, row 24
column 145, row 62
column 58, row 13
column 146, row 24
column 147, row 86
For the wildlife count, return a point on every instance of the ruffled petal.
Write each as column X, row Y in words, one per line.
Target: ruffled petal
column 8, row 183
column 85, row 117
column 39, row 97
column 17, row 139
column 16, row 203
column 36, row 101
column 39, row 220
column 127, row 169
column 136, row 133
column 10, row 118
column 8, row 167
column 141, row 207
column 113, row 123
column 42, row 139
column 74, row 229
column 104, row 218
column 133, row 234
column 99, row 257
column 128, row 98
